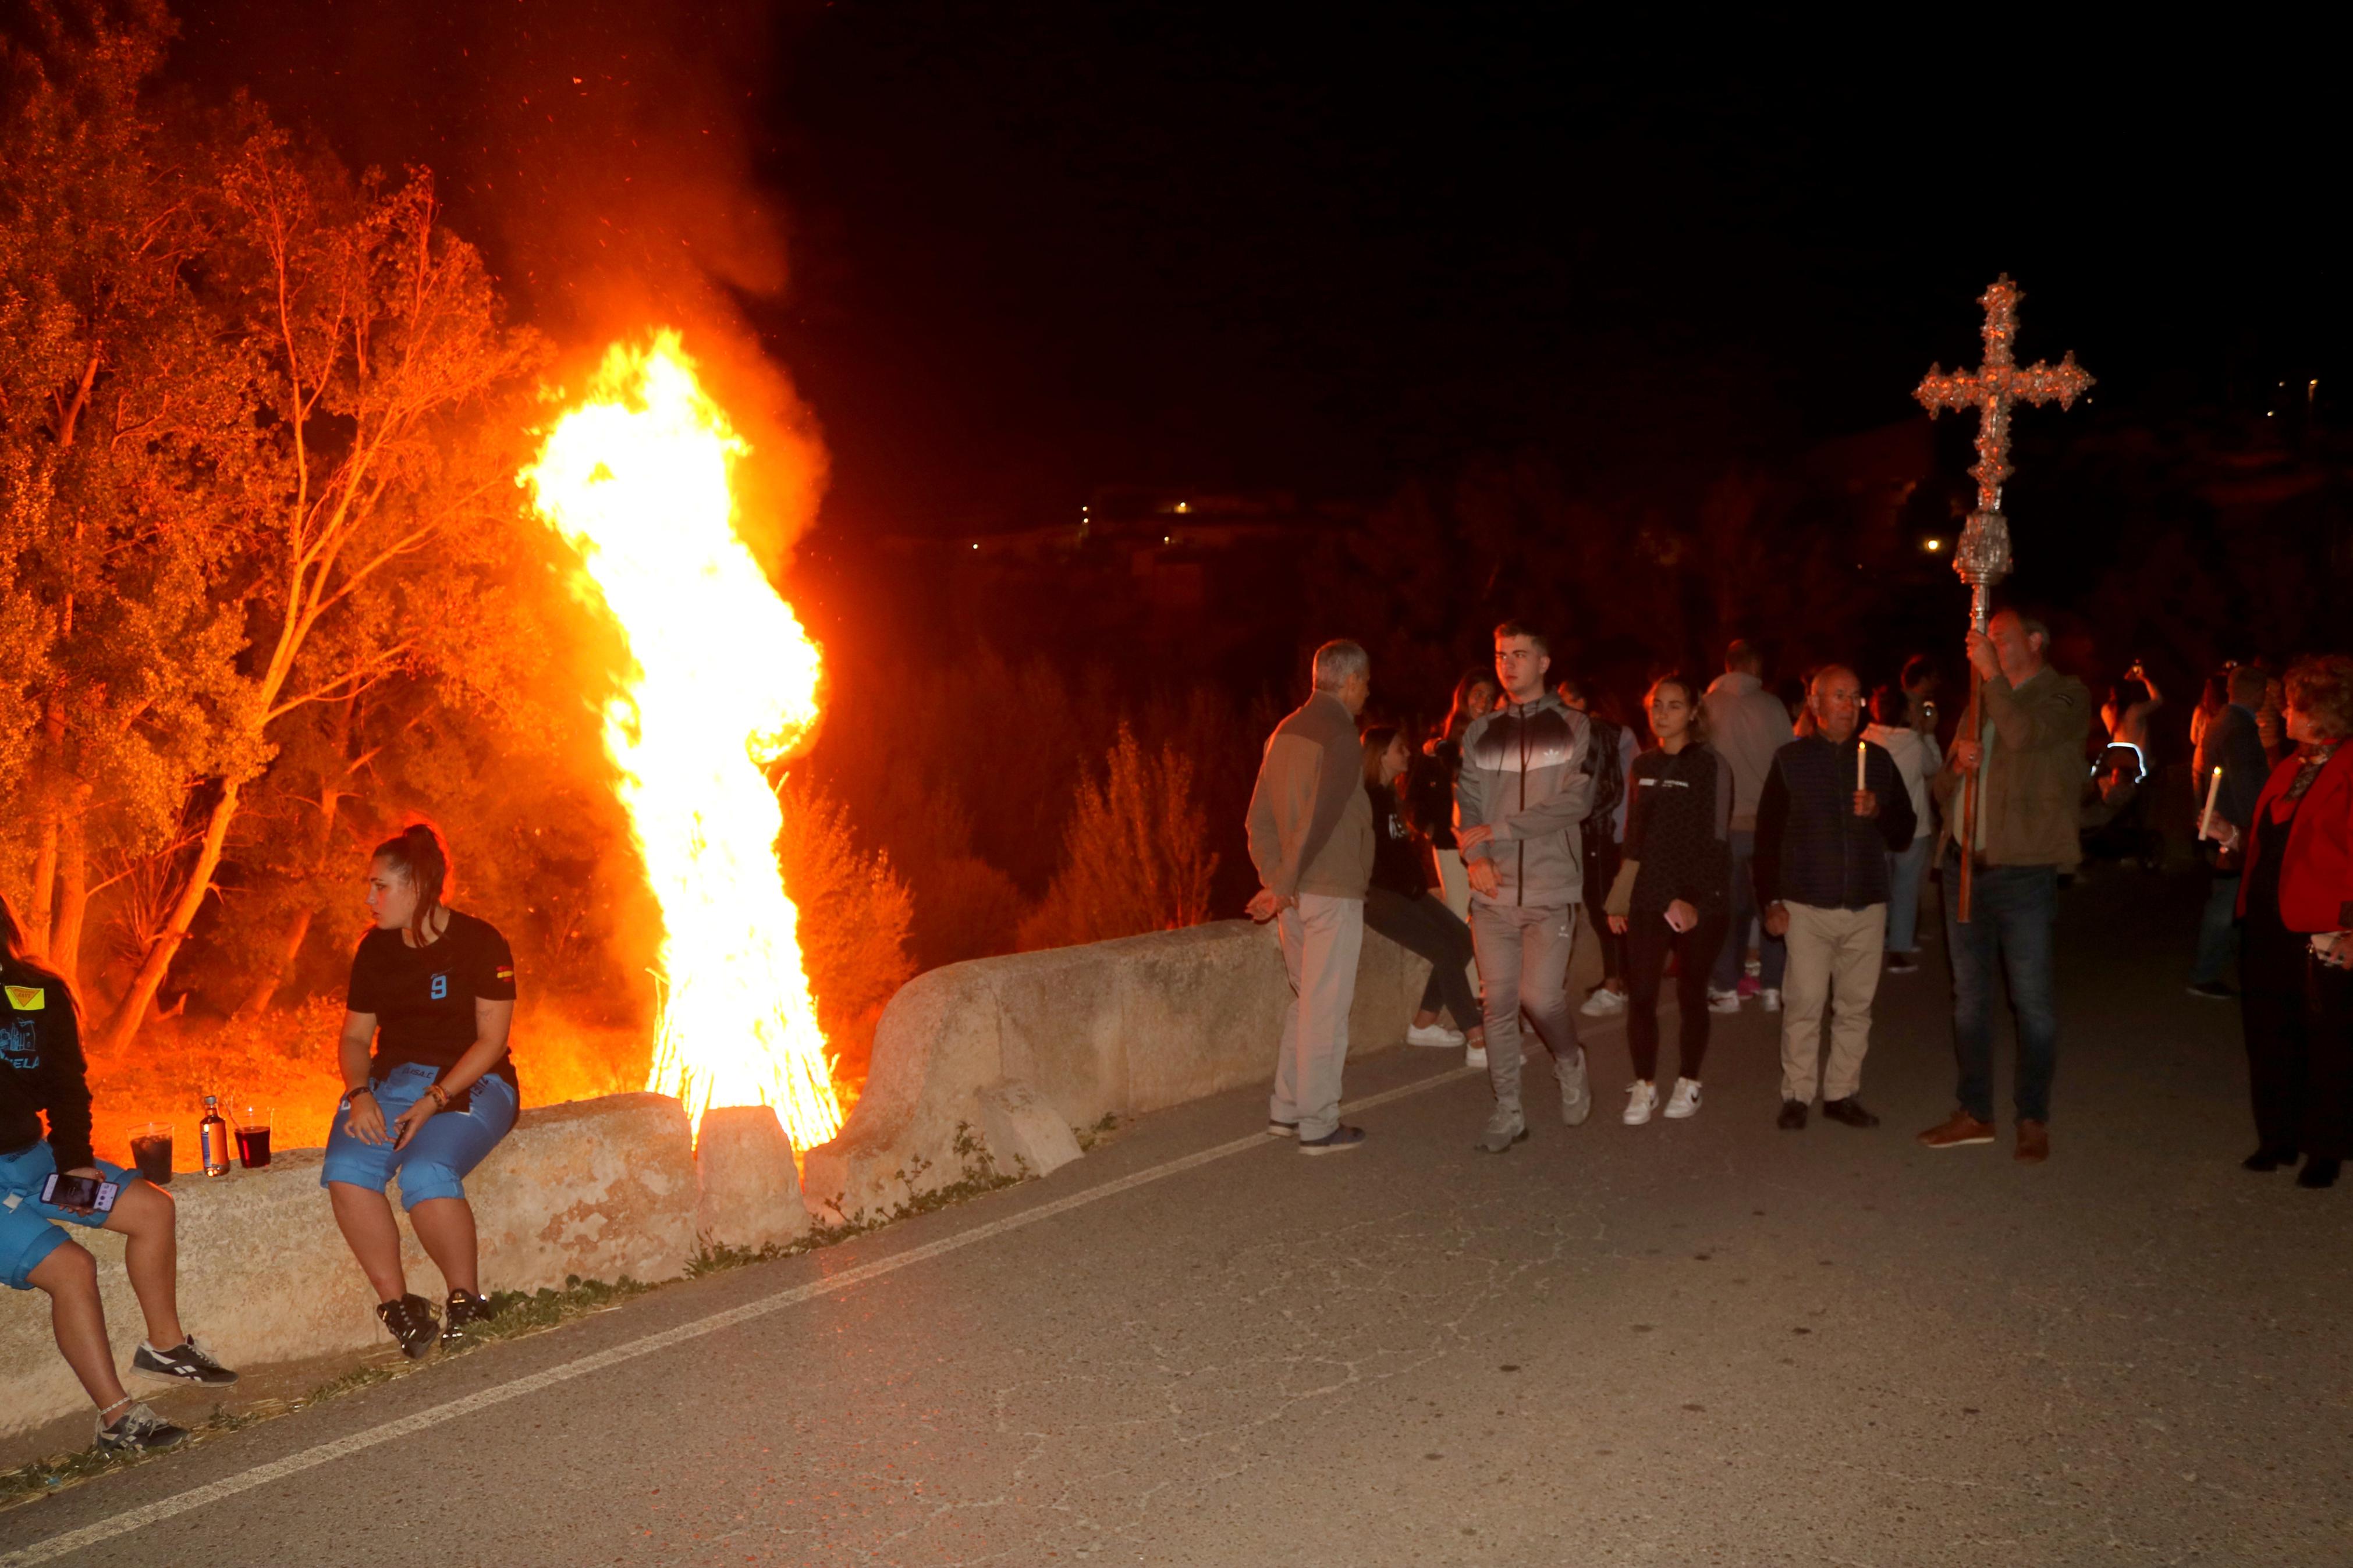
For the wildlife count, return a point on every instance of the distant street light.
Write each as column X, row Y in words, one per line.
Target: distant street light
column 1932, row 545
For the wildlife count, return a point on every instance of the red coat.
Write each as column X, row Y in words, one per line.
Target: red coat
column 2316, row 880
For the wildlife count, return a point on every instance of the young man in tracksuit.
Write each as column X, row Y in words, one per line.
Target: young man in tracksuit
column 1834, row 805
column 1520, row 801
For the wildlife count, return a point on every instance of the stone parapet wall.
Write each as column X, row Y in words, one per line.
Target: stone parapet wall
column 598, row 1188
column 998, row 1054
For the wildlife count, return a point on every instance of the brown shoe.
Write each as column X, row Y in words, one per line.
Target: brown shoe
column 1956, row 1129
column 2033, row 1141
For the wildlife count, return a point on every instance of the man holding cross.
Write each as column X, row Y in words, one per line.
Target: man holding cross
column 2028, row 761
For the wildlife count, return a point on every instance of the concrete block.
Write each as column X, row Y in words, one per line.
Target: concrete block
column 1026, row 1136
column 1123, row 1026
column 751, row 1194
column 599, row 1188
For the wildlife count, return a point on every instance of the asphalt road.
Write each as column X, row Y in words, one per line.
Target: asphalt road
column 1709, row 1341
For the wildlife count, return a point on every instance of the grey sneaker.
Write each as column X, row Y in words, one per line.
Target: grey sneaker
column 1504, row 1127
column 1339, row 1141
column 1575, row 1093
column 139, row 1430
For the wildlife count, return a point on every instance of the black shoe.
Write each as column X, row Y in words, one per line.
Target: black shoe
column 139, row 1430
column 189, row 1363
column 2268, row 1159
column 2214, row 991
column 1338, row 1140
column 1793, row 1115
column 465, row 1309
column 2318, row 1173
column 1848, row 1110
column 412, row 1322
column 1901, row 964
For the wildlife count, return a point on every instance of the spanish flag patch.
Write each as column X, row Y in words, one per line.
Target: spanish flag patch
column 28, row 998
column 507, row 973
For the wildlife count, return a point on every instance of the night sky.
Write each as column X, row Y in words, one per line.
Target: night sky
column 1011, row 253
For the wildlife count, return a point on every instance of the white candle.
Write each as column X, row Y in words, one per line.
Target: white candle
column 2206, row 817
column 1858, row 767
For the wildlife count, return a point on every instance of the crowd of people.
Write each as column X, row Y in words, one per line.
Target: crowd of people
column 1763, row 852
column 431, row 1090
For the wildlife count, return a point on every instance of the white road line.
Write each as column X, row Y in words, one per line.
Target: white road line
column 58, row 1546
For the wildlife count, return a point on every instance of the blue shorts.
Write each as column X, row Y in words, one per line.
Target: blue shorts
column 445, row 1149
column 29, row 1228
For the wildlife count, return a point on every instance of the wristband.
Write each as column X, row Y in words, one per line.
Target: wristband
column 363, row 1088
column 440, row 1096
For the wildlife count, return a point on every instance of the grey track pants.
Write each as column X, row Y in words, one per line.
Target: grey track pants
column 1524, row 952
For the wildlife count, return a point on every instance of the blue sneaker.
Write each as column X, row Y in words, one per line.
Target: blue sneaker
column 1333, row 1143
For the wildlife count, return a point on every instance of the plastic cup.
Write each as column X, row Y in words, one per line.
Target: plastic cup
column 253, row 1137
column 151, row 1151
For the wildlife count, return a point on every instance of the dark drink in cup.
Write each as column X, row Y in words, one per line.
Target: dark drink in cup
column 253, row 1136
column 151, row 1151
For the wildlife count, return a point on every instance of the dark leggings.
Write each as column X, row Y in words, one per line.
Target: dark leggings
column 1648, row 939
column 1428, row 927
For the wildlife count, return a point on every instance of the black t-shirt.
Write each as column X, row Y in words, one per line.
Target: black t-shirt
column 1400, row 861
column 423, row 997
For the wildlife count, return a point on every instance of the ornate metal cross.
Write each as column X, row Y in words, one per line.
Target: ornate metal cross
column 1982, row 558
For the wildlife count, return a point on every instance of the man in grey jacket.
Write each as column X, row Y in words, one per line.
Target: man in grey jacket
column 1311, row 837
column 1747, row 726
column 1525, row 789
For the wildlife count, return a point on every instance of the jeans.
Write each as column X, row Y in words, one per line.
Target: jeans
column 442, row 1154
column 1321, row 938
column 1905, row 870
column 2013, row 917
column 1771, row 948
column 1648, row 940
column 1524, row 951
column 2217, row 931
column 1428, row 927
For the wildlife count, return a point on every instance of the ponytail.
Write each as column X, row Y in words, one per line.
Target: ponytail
column 419, row 853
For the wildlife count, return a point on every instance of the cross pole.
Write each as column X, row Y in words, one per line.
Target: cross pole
column 1982, row 558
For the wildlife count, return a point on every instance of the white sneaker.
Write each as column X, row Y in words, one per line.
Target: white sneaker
column 1684, row 1101
column 1475, row 1056
column 1723, row 1001
column 1435, row 1035
column 1769, row 999
column 1575, row 1093
column 1603, row 1001
column 1642, row 1099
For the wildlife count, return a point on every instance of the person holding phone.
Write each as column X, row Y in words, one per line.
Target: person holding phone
column 1672, row 892
column 432, row 1089
column 49, row 1177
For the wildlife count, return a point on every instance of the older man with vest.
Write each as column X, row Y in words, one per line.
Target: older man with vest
column 1311, row 837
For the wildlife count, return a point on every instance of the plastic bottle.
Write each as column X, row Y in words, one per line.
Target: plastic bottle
column 212, row 1137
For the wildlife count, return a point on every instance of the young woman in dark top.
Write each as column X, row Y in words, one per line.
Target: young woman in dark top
column 44, row 1132
column 1400, row 906
column 1674, row 888
column 434, row 990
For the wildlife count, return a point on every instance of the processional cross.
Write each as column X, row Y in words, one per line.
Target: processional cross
column 1982, row 558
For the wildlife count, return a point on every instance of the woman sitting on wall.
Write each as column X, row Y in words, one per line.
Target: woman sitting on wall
column 42, row 1080
column 433, row 991
column 1401, row 907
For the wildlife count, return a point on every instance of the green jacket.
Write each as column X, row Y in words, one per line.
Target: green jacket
column 2031, row 798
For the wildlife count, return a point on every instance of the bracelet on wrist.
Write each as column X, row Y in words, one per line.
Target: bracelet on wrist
column 363, row 1088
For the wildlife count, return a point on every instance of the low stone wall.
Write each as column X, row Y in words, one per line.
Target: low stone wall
column 1006, row 1055
column 598, row 1188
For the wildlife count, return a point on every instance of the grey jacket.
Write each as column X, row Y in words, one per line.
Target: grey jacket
column 1527, row 772
column 1746, row 725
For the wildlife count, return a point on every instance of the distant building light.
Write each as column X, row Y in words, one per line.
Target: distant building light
column 1932, row 545
column 976, row 546
column 1184, row 506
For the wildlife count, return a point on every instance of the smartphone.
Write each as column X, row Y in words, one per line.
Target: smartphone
column 79, row 1193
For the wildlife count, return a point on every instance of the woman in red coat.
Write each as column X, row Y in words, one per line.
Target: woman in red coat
column 2297, row 899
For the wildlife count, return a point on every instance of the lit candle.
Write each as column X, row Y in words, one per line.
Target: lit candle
column 1858, row 767
column 2206, row 817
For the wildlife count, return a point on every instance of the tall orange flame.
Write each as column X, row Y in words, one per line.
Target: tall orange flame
column 636, row 479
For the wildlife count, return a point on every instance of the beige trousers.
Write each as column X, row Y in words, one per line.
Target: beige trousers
column 1834, row 957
